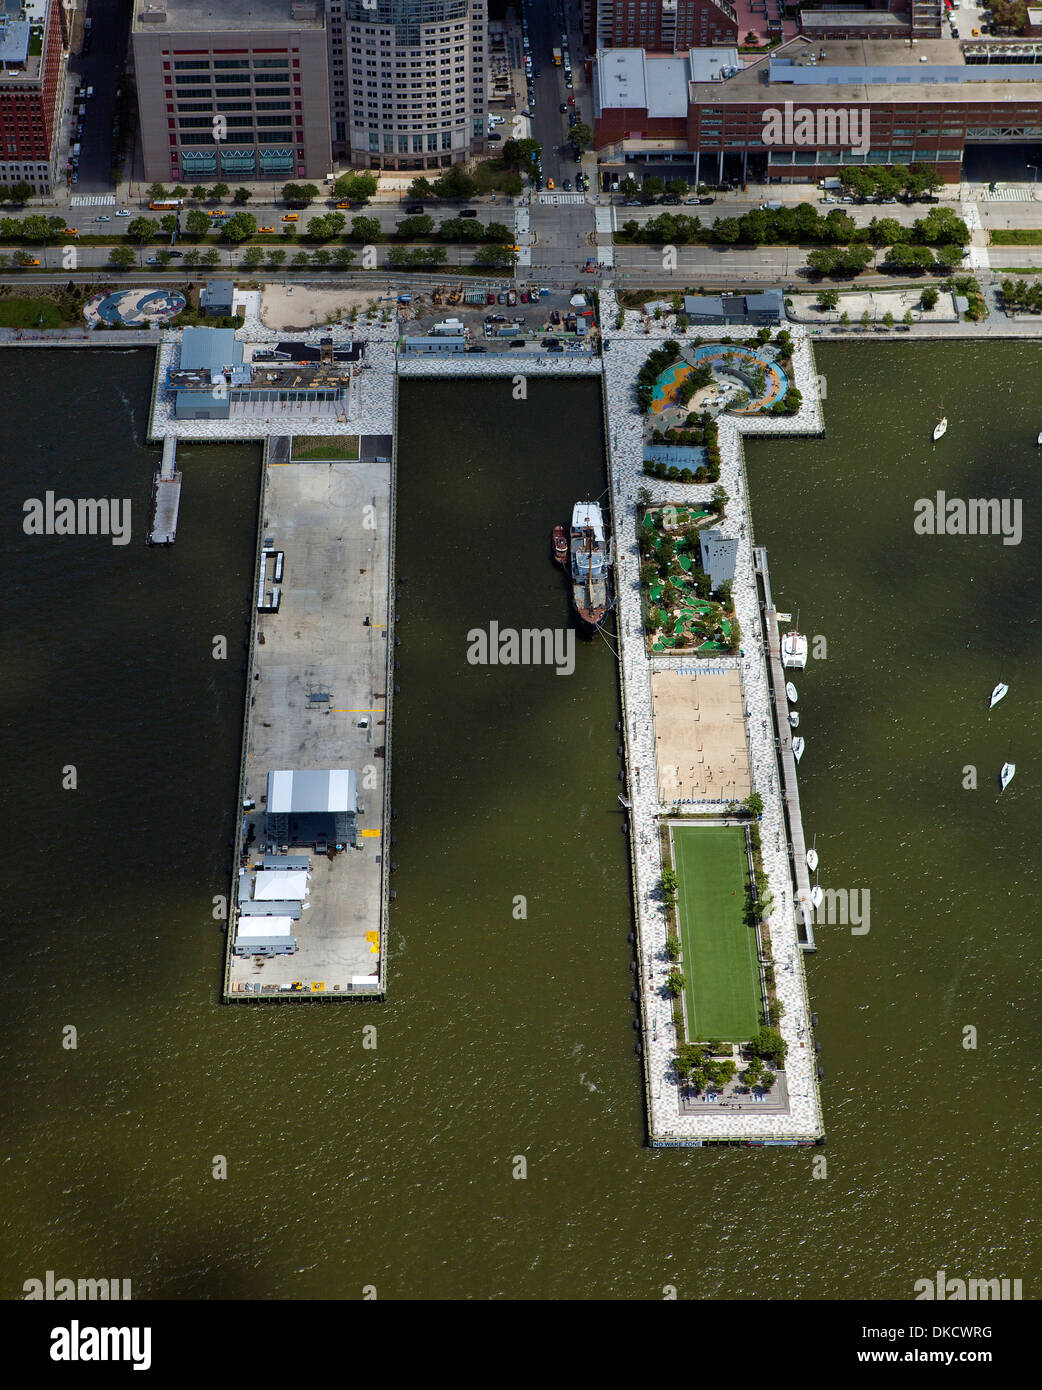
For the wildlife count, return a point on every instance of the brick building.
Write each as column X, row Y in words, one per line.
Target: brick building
column 809, row 110
column 33, row 66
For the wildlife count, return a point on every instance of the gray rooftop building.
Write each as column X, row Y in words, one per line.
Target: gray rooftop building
column 312, row 808
column 755, row 309
column 718, row 556
column 217, row 298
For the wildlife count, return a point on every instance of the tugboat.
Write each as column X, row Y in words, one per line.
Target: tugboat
column 590, row 561
column 560, row 546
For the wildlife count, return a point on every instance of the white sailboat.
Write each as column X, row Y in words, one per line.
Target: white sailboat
column 1006, row 775
column 940, row 427
column 997, row 694
column 812, row 855
column 817, row 896
column 798, row 746
column 790, row 690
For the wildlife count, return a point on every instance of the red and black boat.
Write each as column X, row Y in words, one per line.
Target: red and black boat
column 560, row 546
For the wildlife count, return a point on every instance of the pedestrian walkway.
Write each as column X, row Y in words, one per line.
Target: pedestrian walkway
column 668, row 1122
column 92, row 200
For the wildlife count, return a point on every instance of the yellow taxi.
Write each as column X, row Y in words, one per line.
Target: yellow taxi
column 550, row 184
column 291, row 217
column 70, row 231
column 265, row 229
column 218, row 212
column 30, row 260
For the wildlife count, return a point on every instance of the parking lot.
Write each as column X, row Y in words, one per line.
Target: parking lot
column 502, row 327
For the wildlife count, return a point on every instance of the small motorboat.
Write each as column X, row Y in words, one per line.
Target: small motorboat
column 817, row 896
column 812, row 855
column 560, row 545
column 1039, row 439
column 1006, row 775
column 798, row 746
column 997, row 694
column 794, row 718
column 940, row 427
column 790, row 690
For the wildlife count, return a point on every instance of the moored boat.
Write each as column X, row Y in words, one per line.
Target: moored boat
column 794, row 718
column 559, row 543
column 794, row 649
column 790, row 690
column 997, row 694
column 817, row 896
column 798, row 746
column 589, row 564
column 1006, row 775
column 940, row 427
column 812, row 855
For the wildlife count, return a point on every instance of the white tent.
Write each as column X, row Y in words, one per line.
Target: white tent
column 280, row 885
column 254, row 928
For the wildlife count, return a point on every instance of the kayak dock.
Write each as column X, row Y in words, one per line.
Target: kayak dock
column 786, row 758
column 166, row 497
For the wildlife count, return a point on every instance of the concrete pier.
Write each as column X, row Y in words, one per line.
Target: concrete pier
column 166, row 497
column 786, row 759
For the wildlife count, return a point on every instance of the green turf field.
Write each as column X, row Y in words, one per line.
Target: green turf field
column 723, row 981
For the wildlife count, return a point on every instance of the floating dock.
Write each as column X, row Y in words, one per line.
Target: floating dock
column 166, row 497
column 786, row 759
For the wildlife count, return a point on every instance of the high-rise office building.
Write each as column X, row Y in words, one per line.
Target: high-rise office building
column 33, row 65
column 231, row 92
column 408, row 81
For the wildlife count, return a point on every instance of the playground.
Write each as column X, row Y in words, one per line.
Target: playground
column 736, row 371
column 126, row 308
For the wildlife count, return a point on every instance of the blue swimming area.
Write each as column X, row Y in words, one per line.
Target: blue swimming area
column 777, row 380
column 677, row 455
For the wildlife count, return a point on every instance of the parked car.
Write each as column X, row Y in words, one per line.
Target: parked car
column 517, row 342
column 555, row 347
column 705, row 202
column 551, row 342
column 567, row 185
column 502, row 297
column 671, row 200
column 414, row 209
column 827, row 199
column 467, row 212
column 525, row 296
column 265, row 229
column 176, row 255
column 476, row 347
column 493, row 136
column 564, row 108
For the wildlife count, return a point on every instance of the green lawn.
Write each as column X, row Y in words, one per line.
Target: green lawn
column 26, row 313
column 723, row 981
column 308, row 448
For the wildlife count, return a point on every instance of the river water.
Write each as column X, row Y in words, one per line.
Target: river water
column 508, row 1033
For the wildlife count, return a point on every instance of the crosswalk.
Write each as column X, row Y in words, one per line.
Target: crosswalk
column 1002, row 195
column 92, row 200
column 554, row 199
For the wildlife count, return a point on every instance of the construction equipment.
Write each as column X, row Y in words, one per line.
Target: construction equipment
column 457, row 294
column 436, row 294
